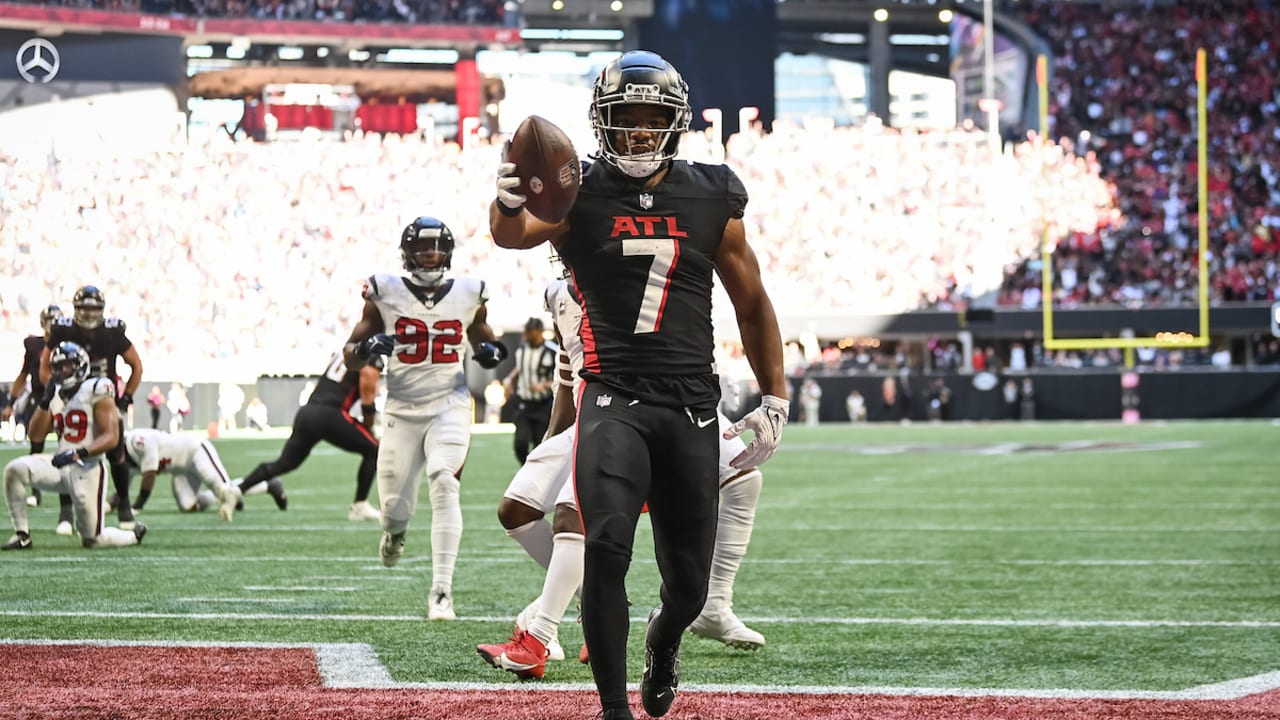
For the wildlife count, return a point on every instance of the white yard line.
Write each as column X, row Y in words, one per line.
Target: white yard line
column 510, row 556
column 639, row 619
column 297, row 588
column 356, row 666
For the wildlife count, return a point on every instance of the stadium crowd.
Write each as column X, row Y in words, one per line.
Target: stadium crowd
column 1123, row 90
column 230, row 256
column 469, row 12
column 240, row 253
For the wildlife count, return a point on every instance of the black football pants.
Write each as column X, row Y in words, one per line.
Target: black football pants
column 629, row 453
column 531, row 421
column 312, row 424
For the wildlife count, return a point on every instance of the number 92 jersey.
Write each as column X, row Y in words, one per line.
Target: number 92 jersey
column 430, row 332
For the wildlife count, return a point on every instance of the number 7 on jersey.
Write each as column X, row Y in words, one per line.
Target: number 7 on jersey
column 665, row 253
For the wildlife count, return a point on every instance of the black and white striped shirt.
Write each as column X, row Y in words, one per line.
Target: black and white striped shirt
column 537, row 366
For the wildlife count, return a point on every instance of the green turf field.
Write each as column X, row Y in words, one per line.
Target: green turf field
column 996, row 556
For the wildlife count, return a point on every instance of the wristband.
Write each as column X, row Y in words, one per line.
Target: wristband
column 509, row 212
column 368, row 410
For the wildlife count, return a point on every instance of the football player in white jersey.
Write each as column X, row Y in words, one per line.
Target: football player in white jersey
column 82, row 411
column 542, row 486
column 421, row 323
column 199, row 479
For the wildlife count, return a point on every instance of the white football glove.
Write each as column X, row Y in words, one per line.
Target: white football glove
column 507, row 183
column 766, row 422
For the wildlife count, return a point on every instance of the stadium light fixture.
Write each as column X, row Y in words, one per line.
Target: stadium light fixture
column 881, row 15
column 290, row 52
column 616, row 6
column 199, row 51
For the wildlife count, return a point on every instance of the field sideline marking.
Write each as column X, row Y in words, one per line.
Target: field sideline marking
column 806, row 528
column 356, row 666
column 514, row 556
column 362, row 617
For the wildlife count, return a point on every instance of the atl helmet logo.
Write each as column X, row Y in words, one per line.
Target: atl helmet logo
column 636, row 92
column 38, row 60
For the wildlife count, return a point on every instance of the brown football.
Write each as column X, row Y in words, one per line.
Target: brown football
column 547, row 166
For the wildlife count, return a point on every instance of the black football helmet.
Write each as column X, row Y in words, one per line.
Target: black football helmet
column 426, row 246
column 639, row 78
column 47, row 316
column 89, row 304
column 69, row 364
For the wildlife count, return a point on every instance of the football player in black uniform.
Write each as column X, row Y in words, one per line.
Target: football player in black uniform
column 644, row 240
column 32, row 345
column 327, row 416
column 104, row 339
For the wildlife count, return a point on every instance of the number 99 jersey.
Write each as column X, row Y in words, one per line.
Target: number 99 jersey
column 430, row 331
column 73, row 417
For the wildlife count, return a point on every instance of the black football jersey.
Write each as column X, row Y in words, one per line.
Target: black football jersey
column 32, row 346
column 643, row 262
column 104, row 344
column 338, row 386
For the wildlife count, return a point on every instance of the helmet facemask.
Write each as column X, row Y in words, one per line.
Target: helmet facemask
column 69, row 366
column 47, row 316
column 89, row 306
column 637, row 80
column 426, row 247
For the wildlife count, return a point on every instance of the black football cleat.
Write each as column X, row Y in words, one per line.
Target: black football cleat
column 275, row 487
column 661, row 673
column 139, row 531
column 19, row 541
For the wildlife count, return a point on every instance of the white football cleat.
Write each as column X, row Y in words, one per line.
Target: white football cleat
column 363, row 511
column 718, row 622
column 440, row 606
column 64, row 528
column 391, row 549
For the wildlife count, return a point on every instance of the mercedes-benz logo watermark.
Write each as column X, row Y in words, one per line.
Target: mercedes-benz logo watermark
column 38, row 61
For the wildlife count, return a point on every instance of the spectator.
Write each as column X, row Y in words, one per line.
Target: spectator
column 856, row 406
column 179, row 407
column 155, row 400
column 255, row 415
column 811, row 397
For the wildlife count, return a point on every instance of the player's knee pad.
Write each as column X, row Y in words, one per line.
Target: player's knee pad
column 739, row 497
column 443, row 484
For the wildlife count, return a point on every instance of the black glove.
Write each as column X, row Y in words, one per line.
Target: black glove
column 66, row 457
column 490, row 354
column 46, row 400
column 124, row 401
column 380, row 344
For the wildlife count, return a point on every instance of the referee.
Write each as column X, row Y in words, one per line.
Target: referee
column 532, row 381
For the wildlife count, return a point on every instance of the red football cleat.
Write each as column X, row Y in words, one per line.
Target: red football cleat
column 524, row 655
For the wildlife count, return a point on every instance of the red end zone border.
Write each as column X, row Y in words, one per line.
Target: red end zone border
column 94, row 680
